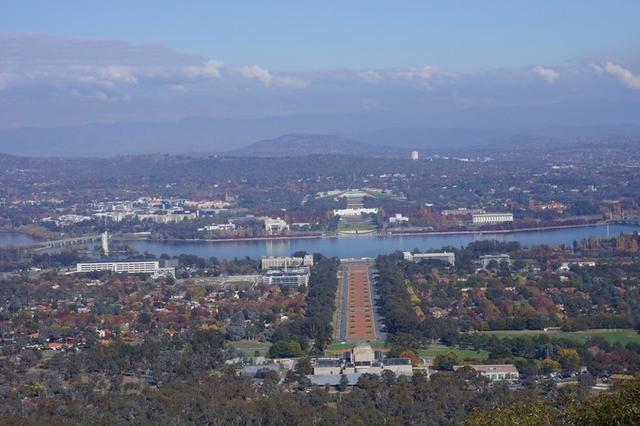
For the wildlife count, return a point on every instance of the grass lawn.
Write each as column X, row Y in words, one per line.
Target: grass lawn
column 249, row 347
column 461, row 353
column 622, row 336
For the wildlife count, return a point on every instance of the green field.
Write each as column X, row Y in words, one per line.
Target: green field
column 622, row 336
column 461, row 353
column 249, row 347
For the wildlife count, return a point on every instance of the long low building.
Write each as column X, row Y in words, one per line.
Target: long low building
column 491, row 218
column 448, row 257
column 290, row 277
column 129, row 267
column 282, row 262
column 494, row 372
column 354, row 211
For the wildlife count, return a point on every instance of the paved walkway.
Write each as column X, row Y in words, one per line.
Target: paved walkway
column 360, row 324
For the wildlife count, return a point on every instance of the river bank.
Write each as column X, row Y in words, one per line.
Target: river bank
column 375, row 234
column 368, row 245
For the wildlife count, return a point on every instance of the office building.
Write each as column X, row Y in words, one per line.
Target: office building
column 448, row 257
column 491, row 218
column 282, row 262
column 288, row 277
column 415, row 156
column 131, row 267
column 494, row 372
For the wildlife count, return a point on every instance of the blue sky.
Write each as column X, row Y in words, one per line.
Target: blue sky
column 399, row 63
column 311, row 35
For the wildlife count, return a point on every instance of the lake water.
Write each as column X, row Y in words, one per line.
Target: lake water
column 370, row 245
column 349, row 246
column 15, row 239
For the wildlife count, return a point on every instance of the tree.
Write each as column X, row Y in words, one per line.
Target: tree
column 285, row 349
column 569, row 360
column 303, row 366
column 519, row 413
column 548, row 366
column 619, row 407
column 344, row 382
column 446, row 361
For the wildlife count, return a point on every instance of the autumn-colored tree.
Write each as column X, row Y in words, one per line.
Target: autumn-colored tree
column 520, row 413
column 415, row 359
column 549, row 365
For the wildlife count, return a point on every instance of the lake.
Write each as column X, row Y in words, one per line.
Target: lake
column 368, row 245
column 349, row 246
column 15, row 239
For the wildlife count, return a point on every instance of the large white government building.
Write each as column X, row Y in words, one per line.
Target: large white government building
column 132, row 267
column 448, row 257
column 489, row 218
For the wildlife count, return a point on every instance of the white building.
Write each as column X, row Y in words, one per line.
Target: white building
column 491, row 218
column 219, row 227
column 445, row 256
column 274, row 226
column 281, row 262
column 499, row 258
column 415, row 156
column 354, row 212
column 289, row 277
column 494, row 372
column 167, row 218
column 398, row 218
column 132, row 267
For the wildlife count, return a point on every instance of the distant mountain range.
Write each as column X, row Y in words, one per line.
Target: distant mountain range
column 299, row 144
column 281, row 136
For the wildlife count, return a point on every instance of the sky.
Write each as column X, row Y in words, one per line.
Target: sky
column 76, row 62
column 300, row 34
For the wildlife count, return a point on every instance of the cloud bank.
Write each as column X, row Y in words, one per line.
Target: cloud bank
column 50, row 81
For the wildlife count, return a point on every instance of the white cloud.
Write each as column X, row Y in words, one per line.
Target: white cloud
column 370, row 76
column 623, row 74
column 254, row 71
column 292, row 82
column 547, row 73
column 210, row 69
column 118, row 74
column 424, row 73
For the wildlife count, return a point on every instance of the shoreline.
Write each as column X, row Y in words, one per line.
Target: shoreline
column 385, row 235
column 343, row 236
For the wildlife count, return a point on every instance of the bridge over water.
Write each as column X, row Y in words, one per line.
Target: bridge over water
column 83, row 240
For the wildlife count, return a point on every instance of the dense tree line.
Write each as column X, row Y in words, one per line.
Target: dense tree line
column 533, row 354
column 318, row 315
column 398, row 312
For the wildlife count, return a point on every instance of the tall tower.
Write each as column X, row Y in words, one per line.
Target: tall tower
column 105, row 243
column 415, row 156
